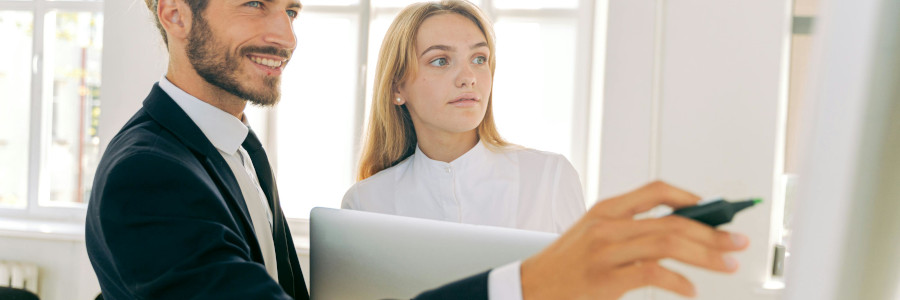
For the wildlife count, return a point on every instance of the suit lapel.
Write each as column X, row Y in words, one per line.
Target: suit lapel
column 169, row 115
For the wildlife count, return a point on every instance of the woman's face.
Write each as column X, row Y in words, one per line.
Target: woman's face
column 449, row 93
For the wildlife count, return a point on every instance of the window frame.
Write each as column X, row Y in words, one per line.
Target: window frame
column 40, row 113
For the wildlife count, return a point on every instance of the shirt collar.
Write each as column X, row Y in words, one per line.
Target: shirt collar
column 223, row 130
column 474, row 156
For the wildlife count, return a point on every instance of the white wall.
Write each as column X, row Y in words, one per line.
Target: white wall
column 64, row 269
column 133, row 59
column 694, row 96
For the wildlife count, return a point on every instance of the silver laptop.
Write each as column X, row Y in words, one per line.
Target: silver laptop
column 361, row 255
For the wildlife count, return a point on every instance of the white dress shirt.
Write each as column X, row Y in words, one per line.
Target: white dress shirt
column 227, row 133
column 518, row 187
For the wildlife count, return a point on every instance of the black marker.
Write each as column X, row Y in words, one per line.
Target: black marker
column 715, row 213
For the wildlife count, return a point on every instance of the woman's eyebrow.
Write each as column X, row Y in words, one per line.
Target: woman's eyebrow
column 449, row 48
column 437, row 47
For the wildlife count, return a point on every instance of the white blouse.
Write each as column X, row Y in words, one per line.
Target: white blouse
column 518, row 188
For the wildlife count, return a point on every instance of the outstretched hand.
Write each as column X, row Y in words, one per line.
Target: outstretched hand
column 607, row 253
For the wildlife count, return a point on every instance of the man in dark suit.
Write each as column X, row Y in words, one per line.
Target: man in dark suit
column 185, row 204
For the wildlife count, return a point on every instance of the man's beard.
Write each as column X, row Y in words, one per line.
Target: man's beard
column 219, row 67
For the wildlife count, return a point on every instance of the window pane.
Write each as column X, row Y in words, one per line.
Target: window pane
column 73, row 43
column 535, row 4
column 377, row 28
column 16, row 28
column 404, row 3
column 534, row 82
column 329, row 2
column 316, row 114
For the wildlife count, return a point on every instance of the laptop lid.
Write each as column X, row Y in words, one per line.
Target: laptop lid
column 362, row 255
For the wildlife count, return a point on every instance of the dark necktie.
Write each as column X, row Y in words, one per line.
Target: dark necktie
column 283, row 243
column 263, row 169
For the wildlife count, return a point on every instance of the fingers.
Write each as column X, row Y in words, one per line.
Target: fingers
column 684, row 227
column 656, row 247
column 643, row 199
column 650, row 273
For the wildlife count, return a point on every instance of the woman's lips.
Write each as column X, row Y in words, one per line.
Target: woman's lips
column 465, row 99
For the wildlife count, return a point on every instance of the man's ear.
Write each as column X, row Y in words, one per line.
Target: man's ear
column 175, row 17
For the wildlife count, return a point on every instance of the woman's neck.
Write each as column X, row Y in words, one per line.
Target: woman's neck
column 447, row 147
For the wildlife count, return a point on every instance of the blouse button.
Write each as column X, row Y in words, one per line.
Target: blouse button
column 448, row 169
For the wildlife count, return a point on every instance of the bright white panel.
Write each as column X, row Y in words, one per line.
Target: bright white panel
column 307, row 3
column 404, row 3
column 15, row 82
column 534, row 82
column 315, row 116
column 535, row 4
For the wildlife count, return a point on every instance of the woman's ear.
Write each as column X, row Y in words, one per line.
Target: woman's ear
column 399, row 99
column 172, row 14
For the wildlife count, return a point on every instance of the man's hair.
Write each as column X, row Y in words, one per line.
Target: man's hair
column 196, row 6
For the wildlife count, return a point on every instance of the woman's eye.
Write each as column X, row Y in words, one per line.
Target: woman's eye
column 439, row 62
column 479, row 60
column 254, row 4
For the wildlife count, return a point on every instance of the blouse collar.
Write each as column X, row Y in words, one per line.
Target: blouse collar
column 476, row 156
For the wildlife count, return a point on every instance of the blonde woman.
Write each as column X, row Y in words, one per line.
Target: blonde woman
column 432, row 149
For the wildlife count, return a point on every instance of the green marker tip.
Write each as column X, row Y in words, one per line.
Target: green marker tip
column 756, row 201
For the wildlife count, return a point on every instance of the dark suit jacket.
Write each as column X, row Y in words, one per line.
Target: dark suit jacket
column 167, row 220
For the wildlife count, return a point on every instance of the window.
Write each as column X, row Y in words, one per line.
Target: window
column 802, row 35
column 315, row 141
column 51, row 106
column 16, row 27
column 316, row 120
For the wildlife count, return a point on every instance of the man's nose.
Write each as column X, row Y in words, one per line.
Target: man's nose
column 281, row 32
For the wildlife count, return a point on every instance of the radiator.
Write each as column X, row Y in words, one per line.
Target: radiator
column 19, row 275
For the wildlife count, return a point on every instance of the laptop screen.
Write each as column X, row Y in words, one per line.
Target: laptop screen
column 362, row 255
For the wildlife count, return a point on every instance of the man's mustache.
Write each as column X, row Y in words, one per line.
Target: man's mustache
column 283, row 53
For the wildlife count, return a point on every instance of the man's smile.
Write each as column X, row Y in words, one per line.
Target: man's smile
column 270, row 62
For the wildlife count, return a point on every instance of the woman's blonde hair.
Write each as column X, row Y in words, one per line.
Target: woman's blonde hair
column 391, row 137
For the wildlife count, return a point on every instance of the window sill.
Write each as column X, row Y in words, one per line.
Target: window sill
column 74, row 231
column 42, row 229
column 300, row 234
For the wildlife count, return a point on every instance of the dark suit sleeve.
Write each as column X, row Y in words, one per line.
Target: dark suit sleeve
column 474, row 288
column 161, row 230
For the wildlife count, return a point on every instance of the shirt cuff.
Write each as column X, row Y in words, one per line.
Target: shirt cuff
column 505, row 283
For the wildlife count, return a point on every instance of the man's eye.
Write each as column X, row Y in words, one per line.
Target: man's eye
column 292, row 14
column 439, row 62
column 254, row 4
column 479, row 60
